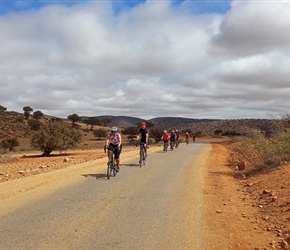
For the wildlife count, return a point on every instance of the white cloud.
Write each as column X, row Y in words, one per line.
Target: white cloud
column 152, row 60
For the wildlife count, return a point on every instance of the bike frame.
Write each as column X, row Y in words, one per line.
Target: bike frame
column 165, row 146
column 142, row 155
column 111, row 170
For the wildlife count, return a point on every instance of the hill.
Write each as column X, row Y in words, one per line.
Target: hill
column 13, row 124
column 204, row 126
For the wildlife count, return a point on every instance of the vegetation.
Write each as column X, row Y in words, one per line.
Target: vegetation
column 74, row 118
column 92, row 121
column 156, row 134
column 261, row 150
column 27, row 111
column 100, row 133
column 9, row 144
column 55, row 135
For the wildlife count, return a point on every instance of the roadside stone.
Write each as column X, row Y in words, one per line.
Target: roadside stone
column 285, row 245
column 242, row 165
column 23, row 172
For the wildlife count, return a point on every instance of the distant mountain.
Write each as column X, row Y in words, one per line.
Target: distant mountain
column 205, row 126
column 121, row 121
column 176, row 122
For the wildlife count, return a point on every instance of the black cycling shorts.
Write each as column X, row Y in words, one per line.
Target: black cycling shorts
column 115, row 150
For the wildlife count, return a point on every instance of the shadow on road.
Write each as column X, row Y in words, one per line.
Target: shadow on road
column 97, row 176
column 130, row 165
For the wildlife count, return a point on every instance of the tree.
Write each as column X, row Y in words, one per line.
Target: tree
column 218, row 132
column 55, row 135
column 100, row 133
column 37, row 115
column 27, row 111
column 131, row 131
column 92, row 121
column 2, row 109
column 156, row 134
column 34, row 124
column 74, row 118
column 10, row 144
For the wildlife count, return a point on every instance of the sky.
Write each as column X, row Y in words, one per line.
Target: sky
column 216, row 59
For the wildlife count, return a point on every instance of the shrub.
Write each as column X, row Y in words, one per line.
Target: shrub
column 10, row 144
column 55, row 135
column 261, row 152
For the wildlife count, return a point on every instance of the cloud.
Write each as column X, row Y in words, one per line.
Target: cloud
column 150, row 60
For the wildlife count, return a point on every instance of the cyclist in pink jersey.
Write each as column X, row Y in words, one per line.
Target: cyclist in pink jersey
column 114, row 144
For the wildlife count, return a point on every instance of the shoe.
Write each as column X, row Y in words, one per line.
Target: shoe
column 117, row 169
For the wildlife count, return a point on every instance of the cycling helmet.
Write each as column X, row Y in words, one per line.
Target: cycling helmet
column 114, row 129
column 143, row 123
column 173, row 131
column 176, row 130
column 165, row 131
column 187, row 133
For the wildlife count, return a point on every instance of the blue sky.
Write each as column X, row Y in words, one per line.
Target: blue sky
column 197, row 59
column 195, row 6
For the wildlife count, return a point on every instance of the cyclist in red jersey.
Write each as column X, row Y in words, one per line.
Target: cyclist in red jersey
column 165, row 136
column 176, row 138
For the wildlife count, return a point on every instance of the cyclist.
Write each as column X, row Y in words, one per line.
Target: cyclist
column 187, row 135
column 177, row 137
column 144, row 136
column 172, row 139
column 165, row 137
column 193, row 138
column 114, row 144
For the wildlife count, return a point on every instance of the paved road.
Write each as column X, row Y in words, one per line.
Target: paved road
column 158, row 206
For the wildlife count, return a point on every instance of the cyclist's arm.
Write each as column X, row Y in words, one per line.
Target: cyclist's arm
column 120, row 141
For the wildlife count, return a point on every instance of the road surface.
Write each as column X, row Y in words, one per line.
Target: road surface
column 158, row 206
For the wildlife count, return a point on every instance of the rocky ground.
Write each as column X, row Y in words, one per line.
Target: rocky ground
column 247, row 212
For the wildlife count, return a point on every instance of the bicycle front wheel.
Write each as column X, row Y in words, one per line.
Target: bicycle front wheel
column 108, row 171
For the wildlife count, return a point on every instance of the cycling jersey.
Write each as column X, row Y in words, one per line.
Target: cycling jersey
column 177, row 134
column 114, row 138
column 172, row 136
column 143, row 132
column 165, row 137
column 187, row 136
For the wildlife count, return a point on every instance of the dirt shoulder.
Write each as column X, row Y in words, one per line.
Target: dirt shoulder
column 246, row 213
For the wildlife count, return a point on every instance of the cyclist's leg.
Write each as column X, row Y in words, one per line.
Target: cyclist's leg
column 117, row 158
column 109, row 151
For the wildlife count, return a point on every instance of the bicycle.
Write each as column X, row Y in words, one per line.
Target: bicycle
column 111, row 169
column 165, row 146
column 176, row 143
column 171, row 145
column 142, row 155
column 187, row 140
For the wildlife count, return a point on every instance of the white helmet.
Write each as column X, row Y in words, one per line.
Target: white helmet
column 114, row 129
column 165, row 131
column 173, row 131
column 187, row 133
column 176, row 130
